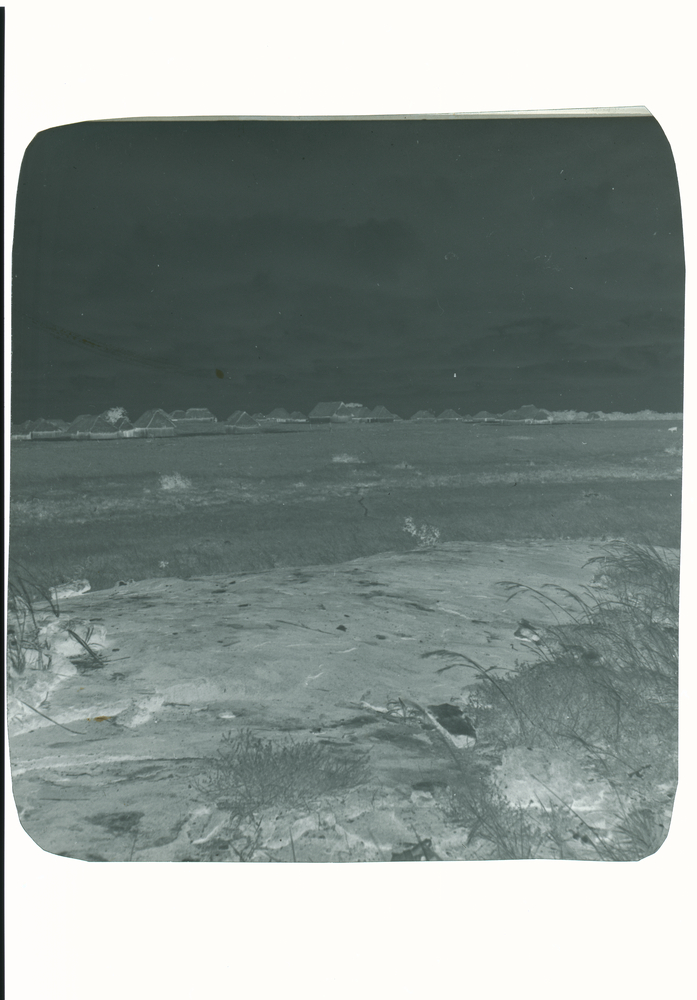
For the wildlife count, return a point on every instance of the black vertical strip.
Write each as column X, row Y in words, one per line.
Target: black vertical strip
column 2, row 182
column 2, row 157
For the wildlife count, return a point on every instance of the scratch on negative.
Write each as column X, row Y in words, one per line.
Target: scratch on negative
column 313, row 677
column 347, row 650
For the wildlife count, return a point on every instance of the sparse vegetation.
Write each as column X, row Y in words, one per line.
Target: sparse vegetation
column 594, row 722
column 575, row 755
column 246, row 511
column 91, row 658
column 425, row 534
column 24, row 590
column 251, row 775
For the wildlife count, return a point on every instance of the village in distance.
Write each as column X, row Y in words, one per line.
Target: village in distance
column 114, row 422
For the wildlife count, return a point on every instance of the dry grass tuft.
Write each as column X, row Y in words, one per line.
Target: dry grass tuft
column 251, row 773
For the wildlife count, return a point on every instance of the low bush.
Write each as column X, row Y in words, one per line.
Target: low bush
column 251, row 773
column 601, row 702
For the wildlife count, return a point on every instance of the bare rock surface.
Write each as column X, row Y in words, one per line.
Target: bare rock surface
column 111, row 768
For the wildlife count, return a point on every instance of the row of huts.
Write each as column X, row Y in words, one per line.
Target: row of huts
column 158, row 423
column 114, row 423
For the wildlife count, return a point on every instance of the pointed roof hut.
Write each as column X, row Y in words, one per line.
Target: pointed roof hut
column 424, row 415
column 361, row 412
column 120, row 423
column 89, row 426
column 200, row 414
column 81, row 426
column 240, row 421
column 350, row 411
column 44, row 425
column 155, row 423
column 244, row 420
column 241, row 417
column 528, row 413
column 380, row 414
column 46, row 430
column 323, row 412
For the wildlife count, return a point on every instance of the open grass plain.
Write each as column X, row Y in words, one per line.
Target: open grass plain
column 111, row 510
column 356, row 643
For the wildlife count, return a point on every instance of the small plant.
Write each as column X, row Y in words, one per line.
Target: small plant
column 24, row 591
column 426, row 535
column 512, row 833
column 91, row 659
column 251, row 773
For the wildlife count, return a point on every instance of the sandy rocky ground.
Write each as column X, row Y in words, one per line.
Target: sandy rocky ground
column 296, row 654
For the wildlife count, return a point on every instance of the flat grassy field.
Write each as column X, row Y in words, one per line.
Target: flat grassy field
column 136, row 509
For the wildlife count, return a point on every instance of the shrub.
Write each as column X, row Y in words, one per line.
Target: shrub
column 426, row 535
column 251, row 773
column 24, row 591
column 600, row 706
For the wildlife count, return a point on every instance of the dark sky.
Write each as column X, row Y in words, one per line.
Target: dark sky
column 473, row 264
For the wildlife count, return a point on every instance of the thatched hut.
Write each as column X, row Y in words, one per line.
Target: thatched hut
column 155, row 423
column 47, row 430
column 324, row 413
column 380, row 415
column 201, row 414
column 240, row 422
column 279, row 414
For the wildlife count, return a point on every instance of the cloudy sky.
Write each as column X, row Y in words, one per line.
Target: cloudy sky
column 473, row 264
